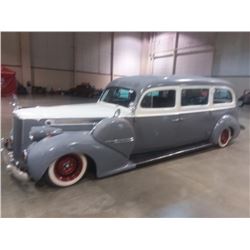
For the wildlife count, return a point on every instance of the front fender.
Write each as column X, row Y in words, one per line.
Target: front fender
column 49, row 149
column 226, row 121
column 116, row 133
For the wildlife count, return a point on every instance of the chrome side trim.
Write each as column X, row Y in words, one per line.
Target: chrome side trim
column 173, row 154
column 122, row 140
column 73, row 121
column 75, row 124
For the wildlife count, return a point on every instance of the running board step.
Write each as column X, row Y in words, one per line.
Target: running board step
column 141, row 159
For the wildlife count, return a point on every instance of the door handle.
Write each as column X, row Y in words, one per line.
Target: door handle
column 176, row 120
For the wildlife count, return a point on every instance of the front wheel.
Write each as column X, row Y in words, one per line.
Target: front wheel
column 67, row 170
column 225, row 137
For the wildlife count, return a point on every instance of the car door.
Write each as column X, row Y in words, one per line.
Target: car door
column 195, row 115
column 156, row 120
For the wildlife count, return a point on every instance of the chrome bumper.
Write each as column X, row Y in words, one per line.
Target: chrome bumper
column 17, row 173
column 12, row 164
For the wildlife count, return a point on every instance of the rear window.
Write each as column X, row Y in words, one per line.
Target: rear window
column 159, row 99
column 194, row 97
column 222, row 96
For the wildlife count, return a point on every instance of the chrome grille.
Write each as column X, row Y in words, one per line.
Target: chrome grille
column 17, row 137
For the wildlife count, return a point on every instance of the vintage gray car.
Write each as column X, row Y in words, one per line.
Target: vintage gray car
column 137, row 120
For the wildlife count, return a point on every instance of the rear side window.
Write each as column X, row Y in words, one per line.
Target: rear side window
column 194, row 97
column 159, row 99
column 222, row 96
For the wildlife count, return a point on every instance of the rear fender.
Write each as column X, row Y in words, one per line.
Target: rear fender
column 226, row 121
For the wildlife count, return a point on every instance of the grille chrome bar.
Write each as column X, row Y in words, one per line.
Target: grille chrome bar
column 17, row 136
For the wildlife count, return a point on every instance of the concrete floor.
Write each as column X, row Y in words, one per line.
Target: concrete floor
column 210, row 183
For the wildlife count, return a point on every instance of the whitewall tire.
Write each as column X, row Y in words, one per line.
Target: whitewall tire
column 67, row 170
column 225, row 137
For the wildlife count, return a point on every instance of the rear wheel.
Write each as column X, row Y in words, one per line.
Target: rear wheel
column 225, row 137
column 67, row 170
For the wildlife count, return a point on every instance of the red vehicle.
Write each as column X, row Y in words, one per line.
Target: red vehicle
column 8, row 81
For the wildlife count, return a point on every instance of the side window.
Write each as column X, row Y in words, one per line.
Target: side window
column 159, row 99
column 222, row 96
column 194, row 97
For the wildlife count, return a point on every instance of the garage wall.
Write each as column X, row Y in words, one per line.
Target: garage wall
column 223, row 55
column 56, row 79
column 94, row 65
column 53, row 50
column 10, row 48
column 10, row 52
column 127, row 53
column 93, row 58
column 162, row 53
column 195, row 53
column 93, row 52
column 64, row 59
column 232, row 59
column 240, row 83
column 52, row 59
column 183, row 53
column 100, row 81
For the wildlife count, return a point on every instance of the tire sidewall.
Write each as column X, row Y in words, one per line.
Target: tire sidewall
column 59, row 183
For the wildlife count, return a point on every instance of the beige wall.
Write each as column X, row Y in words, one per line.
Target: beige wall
column 53, row 50
column 93, row 52
column 100, row 81
column 52, row 78
column 64, row 59
column 182, row 53
column 11, row 52
column 240, row 84
column 232, row 55
column 10, row 48
column 127, row 53
column 25, row 57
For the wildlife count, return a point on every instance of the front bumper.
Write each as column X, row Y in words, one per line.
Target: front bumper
column 12, row 165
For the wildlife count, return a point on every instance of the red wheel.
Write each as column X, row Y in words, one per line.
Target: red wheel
column 224, row 138
column 67, row 170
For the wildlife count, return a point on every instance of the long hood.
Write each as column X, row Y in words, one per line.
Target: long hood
column 92, row 110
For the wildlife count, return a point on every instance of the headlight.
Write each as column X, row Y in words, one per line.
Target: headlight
column 40, row 132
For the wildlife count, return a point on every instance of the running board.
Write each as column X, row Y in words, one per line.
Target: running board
column 141, row 159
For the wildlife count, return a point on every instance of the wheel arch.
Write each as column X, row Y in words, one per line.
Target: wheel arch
column 226, row 121
column 232, row 131
column 91, row 164
column 46, row 151
column 91, row 161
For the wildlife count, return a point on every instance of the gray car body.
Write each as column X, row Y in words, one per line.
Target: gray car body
column 112, row 141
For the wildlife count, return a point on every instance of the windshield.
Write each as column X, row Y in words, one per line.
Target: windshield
column 117, row 95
